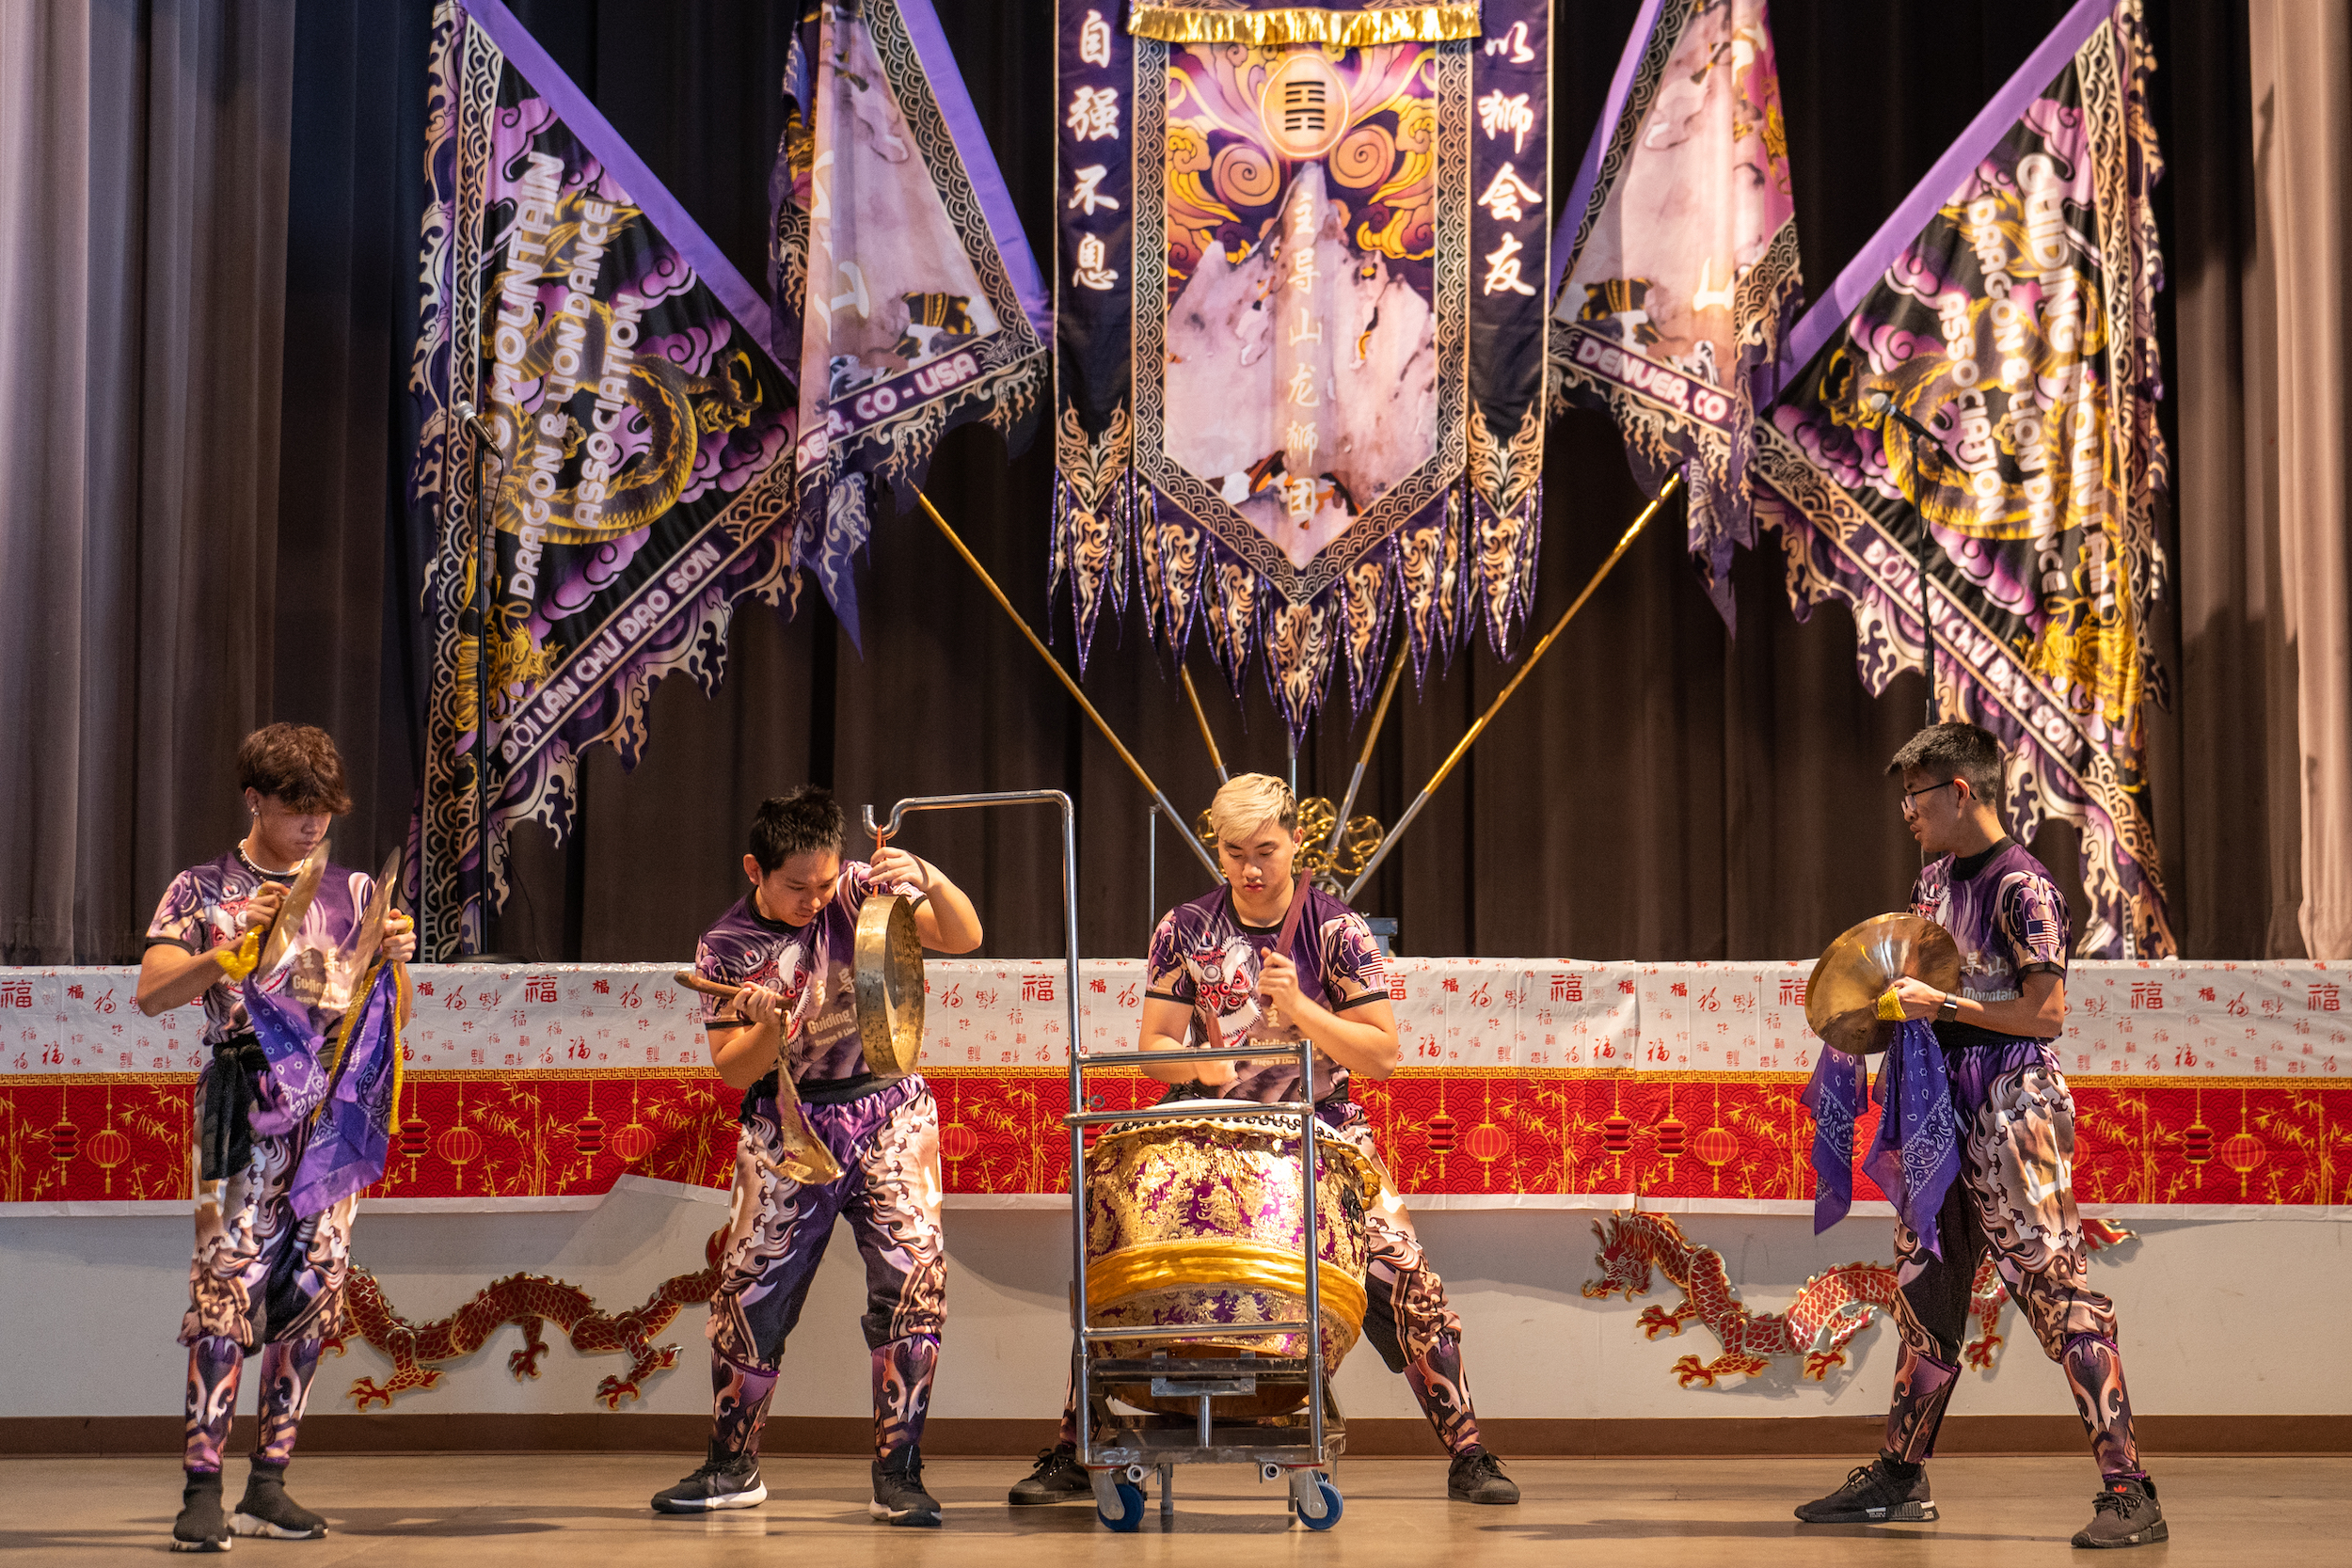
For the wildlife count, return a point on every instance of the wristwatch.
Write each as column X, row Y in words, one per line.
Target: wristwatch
column 1950, row 1009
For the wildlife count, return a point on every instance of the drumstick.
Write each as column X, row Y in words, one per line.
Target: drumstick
column 693, row 981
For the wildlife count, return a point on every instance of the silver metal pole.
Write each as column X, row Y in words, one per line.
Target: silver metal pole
column 1314, row 1244
column 1071, row 979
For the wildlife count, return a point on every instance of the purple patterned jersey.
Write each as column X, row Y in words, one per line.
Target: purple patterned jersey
column 810, row 966
column 1203, row 956
column 2004, row 912
column 204, row 909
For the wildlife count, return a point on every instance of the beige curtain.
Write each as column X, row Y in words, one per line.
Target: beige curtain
column 2301, row 81
column 143, row 176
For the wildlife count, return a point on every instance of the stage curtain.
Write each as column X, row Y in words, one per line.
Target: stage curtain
column 143, row 166
column 203, row 347
column 2302, row 54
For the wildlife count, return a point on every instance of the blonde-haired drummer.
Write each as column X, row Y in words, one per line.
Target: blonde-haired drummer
column 1215, row 957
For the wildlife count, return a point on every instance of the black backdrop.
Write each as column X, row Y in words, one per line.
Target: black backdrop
column 1657, row 790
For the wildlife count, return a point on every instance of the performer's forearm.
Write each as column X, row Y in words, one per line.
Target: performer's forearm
column 1365, row 1049
column 2035, row 1017
column 743, row 1056
column 1214, row 1075
column 947, row 923
column 172, row 977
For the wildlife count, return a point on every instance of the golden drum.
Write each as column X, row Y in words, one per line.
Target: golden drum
column 1201, row 1221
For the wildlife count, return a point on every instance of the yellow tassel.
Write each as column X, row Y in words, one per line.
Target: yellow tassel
column 1891, row 1006
column 242, row 959
column 399, row 1016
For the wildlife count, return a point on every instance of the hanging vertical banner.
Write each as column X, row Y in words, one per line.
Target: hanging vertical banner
column 2009, row 307
column 1300, row 326
column 1678, row 248
column 636, row 455
column 906, row 295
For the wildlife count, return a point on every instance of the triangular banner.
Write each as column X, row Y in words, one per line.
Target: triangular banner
column 636, row 455
column 2009, row 309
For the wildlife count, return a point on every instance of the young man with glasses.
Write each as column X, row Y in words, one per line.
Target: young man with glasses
column 2014, row 1193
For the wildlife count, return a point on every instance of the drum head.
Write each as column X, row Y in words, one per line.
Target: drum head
column 889, row 974
column 1841, row 999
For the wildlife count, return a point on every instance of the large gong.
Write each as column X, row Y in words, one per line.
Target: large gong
column 887, row 970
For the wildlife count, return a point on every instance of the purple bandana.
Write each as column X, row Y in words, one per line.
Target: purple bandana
column 1916, row 1156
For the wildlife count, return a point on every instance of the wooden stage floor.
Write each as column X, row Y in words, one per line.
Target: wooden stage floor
column 580, row 1509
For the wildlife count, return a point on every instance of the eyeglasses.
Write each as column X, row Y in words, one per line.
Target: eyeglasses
column 1905, row 805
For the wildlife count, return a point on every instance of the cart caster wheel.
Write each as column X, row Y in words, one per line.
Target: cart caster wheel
column 1130, row 1515
column 1323, row 1498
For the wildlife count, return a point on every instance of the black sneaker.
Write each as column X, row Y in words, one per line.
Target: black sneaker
column 1476, row 1476
column 898, row 1495
column 1873, row 1495
column 200, row 1526
column 1058, row 1479
column 724, row 1481
column 2125, row 1514
column 265, row 1509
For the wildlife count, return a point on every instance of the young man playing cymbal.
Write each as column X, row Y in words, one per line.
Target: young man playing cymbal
column 789, row 942
column 264, row 1278
column 2013, row 1194
column 1328, row 985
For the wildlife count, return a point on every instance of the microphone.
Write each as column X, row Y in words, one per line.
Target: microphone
column 1877, row 401
column 483, row 430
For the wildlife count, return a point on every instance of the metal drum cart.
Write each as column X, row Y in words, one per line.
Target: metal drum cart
column 1120, row 1452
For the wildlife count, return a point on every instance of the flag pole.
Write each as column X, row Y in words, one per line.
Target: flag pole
column 1053, row 664
column 1202, row 719
column 1372, row 737
column 1624, row 542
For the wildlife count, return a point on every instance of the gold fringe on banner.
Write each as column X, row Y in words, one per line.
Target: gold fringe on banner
column 1306, row 25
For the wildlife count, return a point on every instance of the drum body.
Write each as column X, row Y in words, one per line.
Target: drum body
column 1201, row 1221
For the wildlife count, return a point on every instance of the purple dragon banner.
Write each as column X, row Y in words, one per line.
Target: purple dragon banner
column 905, row 293
column 1301, row 327
column 636, row 455
column 2007, row 307
column 1679, row 246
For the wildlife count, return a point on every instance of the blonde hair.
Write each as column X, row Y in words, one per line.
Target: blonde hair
column 1247, row 801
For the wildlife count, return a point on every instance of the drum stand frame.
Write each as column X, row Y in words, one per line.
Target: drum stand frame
column 1130, row 1449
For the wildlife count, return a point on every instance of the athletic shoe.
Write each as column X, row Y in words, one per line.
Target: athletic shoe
column 1873, row 1495
column 724, row 1481
column 1058, row 1479
column 898, row 1495
column 200, row 1526
column 2125, row 1514
column 1476, row 1476
column 265, row 1509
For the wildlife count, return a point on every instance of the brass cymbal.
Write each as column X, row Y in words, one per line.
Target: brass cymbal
column 887, row 971
column 1841, row 999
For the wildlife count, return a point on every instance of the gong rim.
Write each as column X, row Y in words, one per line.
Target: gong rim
column 887, row 971
column 1841, row 996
